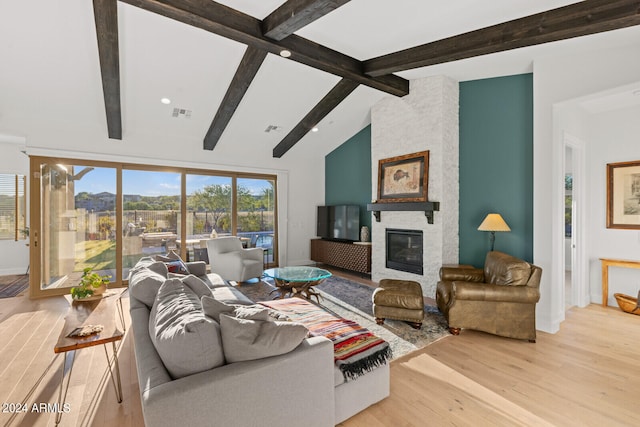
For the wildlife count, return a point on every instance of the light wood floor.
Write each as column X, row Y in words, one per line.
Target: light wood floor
column 588, row 374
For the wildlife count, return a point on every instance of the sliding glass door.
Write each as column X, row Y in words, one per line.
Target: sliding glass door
column 209, row 212
column 150, row 214
column 106, row 216
column 255, row 215
column 76, row 223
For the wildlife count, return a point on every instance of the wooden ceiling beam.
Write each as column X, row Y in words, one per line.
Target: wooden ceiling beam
column 249, row 66
column 339, row 92
column 235, row 25
column 295, row 14
column 575, row 20
column 106, row 19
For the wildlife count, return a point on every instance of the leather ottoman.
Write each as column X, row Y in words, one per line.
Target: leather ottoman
column 399, row 300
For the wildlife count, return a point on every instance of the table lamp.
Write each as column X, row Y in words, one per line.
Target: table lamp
column 493, row 222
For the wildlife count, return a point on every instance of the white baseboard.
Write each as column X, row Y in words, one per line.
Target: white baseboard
column 13, row 270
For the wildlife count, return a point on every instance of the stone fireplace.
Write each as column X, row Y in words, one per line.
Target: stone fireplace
column 426, row 119
column 404, row 250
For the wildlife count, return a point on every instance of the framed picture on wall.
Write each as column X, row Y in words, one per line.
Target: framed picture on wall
column 403, row 178
column 623, row 195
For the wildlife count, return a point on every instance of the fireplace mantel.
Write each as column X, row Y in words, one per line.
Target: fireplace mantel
column 427, row 207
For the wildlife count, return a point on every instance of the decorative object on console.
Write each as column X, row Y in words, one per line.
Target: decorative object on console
column 628, row 304
column 493, row 222
column 403, row 178
column 623, row 191
column 85, row 331
column 364, row 233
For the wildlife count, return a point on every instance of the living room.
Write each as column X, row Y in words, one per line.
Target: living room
column 552, row 88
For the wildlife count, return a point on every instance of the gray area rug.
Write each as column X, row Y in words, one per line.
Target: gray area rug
column 13, row 285
column 352, row 300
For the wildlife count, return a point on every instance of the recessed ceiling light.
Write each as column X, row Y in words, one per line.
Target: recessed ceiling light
column 285, row 53
column 165, row 101
column 314, row 129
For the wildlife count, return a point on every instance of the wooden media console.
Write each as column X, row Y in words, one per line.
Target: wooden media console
column 350, row 256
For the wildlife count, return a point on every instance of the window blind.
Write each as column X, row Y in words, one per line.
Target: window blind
column 12, row 206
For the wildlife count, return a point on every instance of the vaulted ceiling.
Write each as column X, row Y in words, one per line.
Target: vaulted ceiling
column 220, row 63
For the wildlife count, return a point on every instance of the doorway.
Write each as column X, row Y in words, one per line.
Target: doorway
column 573, row 197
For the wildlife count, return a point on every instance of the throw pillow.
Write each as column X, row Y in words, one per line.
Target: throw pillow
column 148, row 263
column 159, row 267
column 145, row 283
column 177, row 267
column 214, row 308
column 186, row 341
column 174, row 263
column 197, row 285
column 244, row 339
column 170, row 256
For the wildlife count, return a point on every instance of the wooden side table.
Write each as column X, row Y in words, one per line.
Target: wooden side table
column 606, row 263
column 100, row 311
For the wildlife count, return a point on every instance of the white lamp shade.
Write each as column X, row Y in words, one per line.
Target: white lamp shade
column 494, row 222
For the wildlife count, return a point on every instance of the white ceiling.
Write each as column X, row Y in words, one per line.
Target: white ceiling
column 50, row 75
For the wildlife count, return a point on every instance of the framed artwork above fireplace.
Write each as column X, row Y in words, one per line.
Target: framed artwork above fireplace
column 403, row 178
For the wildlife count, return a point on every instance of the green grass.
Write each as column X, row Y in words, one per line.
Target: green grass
column 101, row 255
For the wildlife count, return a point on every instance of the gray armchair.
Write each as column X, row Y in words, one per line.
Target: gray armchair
column 231, row 261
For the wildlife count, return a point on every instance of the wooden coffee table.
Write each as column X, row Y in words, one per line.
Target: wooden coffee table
column 100, row 311
column 297, row 281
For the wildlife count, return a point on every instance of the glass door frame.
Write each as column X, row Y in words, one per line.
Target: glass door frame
column 36, row 232
column 35, row 210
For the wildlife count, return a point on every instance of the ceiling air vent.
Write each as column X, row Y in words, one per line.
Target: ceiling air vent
column 273, row 128
column 181, row 113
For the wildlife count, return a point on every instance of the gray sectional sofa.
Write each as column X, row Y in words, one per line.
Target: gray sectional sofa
column 301, row 387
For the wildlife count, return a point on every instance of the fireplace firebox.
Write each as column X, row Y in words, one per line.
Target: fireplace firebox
column 404, row 250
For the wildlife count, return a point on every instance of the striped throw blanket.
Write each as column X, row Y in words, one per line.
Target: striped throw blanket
column 356, row 350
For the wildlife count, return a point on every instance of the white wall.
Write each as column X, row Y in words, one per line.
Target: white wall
column 14, row 256
column 558, row 79
column 614, row 137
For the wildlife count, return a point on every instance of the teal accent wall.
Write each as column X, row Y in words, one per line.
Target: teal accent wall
column 347, row 174
column 496, row 165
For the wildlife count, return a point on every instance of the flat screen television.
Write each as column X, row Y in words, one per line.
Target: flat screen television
column 339, row 222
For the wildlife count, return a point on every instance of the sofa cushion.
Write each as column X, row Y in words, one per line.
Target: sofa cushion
column 213, row 280
column 144, row 283
column 244, row 339
column 230, row 296
column 186, row 340
column 503, row 269
column 214, row 308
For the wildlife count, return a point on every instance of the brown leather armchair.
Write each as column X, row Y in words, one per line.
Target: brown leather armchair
column 499, row 299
